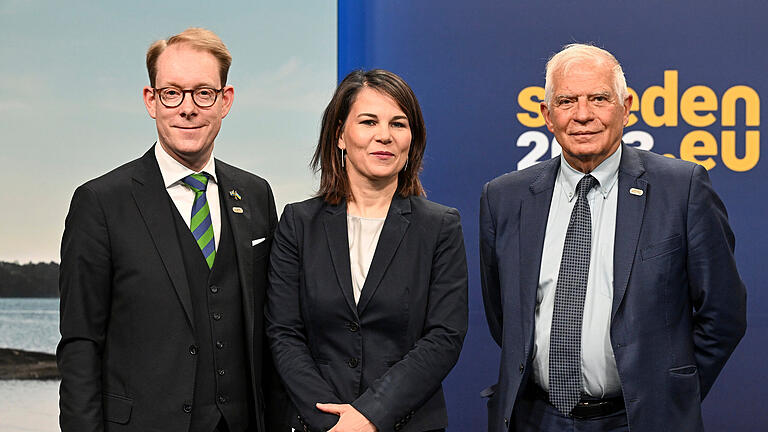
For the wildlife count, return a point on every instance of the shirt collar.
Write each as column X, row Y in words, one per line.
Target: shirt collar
column 173, row 172
column 607, row 173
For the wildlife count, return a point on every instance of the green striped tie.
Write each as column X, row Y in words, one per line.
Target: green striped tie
column 200, row 224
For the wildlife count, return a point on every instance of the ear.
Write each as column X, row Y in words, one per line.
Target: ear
column 150, row 101
column 627, row 106
column 340, row 140
column 227, row 97
column 545, row 112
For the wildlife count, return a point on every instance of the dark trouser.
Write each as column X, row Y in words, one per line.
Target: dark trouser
column 533, row 413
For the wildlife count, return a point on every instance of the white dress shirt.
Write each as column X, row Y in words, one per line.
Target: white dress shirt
column 173, row 173
column 600, row 377
column 363, row 234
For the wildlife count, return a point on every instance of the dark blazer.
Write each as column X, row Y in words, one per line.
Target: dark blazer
column 679, row 305
column 388, row 354
column 126, row 312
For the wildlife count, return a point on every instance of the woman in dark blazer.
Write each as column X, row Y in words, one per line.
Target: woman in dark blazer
column 367, row 304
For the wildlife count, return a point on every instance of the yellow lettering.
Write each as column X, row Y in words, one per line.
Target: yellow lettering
column 751, row 106
column 530, row 99
column 689, row 148
column 698, row 98
column 668, row 95
column 751, row 152
column 635, row 107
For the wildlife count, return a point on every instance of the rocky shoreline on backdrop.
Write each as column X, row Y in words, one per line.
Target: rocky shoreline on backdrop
column 18, row 364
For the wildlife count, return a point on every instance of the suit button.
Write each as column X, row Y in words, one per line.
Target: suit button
column 506, row 422
column 398, row 426
column 522, row 368
column 220, row 372
column 353, row 326
column 353, row 362
column 187, row 407
column 193, row 349
column 216, row 316
column 214, row 289
column 219, row 344
column 222, row 399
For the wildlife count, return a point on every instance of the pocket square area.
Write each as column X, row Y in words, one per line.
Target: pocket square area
column 257, row 241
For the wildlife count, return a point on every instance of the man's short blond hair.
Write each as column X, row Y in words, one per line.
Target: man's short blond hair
column 197, row 38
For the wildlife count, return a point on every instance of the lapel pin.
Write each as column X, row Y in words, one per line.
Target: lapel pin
column 237, row 209
column 636, row 191
column 234, row 194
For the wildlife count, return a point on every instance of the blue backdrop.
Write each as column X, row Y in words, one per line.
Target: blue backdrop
column 697, row 69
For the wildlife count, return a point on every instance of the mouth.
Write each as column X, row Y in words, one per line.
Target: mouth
column 584, row 133
column 187, row 127
column 383, row 154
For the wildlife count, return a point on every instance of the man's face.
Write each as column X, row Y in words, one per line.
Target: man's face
column 187, row 131
column 586, row 114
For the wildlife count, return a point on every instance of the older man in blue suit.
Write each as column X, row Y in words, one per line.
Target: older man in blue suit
column 608, row 273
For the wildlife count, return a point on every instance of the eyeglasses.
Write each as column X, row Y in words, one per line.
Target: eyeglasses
column 204, row 97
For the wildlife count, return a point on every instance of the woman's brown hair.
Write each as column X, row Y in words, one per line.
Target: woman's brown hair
column 334, row 183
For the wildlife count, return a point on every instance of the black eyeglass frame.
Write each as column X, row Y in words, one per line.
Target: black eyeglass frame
column 158, row 92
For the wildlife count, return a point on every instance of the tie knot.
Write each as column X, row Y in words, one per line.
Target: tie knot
column 197, row 182
column 585, row 185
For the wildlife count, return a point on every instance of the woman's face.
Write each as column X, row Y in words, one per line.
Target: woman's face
column 376, row 137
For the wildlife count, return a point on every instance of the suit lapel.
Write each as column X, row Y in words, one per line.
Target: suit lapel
column 398, row 219
column 155, row 208
column 534, row 212
column 240, row 224
column 629, row 220
column 335, row 222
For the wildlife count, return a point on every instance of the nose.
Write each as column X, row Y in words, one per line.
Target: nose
column 583, row 113
column 383, row 135
column 188, row 109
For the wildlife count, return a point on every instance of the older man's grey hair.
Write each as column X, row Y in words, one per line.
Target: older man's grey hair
column 577, row 53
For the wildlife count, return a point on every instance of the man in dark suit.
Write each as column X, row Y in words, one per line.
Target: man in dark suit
column 163, row 269
column 608, row 273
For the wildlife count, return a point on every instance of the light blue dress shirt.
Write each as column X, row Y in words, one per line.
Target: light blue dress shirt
column 598, row 366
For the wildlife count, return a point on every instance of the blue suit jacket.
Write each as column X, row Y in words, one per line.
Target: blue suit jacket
column 679, row 305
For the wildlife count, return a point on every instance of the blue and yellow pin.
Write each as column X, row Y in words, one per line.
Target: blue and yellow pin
column 235, row 194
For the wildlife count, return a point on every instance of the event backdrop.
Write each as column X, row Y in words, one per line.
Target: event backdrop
column 696, row 69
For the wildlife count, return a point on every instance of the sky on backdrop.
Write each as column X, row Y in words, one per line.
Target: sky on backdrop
column 71, row 76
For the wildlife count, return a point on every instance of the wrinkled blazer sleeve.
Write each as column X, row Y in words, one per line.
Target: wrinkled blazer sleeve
column 85, row 285
column 717, row 292
column 409, row 382
column 489, row 270
column 286, row 332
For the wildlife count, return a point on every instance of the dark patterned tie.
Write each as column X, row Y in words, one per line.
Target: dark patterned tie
column 565, row 339
column 200, row 224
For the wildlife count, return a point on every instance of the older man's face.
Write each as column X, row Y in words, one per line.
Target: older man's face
column 187, row 131
column 586, row 115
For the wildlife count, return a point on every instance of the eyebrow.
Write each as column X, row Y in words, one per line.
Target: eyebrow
column 397, row 117
column 199, row 85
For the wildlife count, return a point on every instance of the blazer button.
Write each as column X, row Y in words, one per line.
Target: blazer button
column 506, row 422
column 214, row 289
column 216, row 316
column 221, row 399
column 221, row 372
column 353, row 326
column 522, row 368
column 353, row 362
column 219, row 344
column 187, row 407
column 193, row 349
